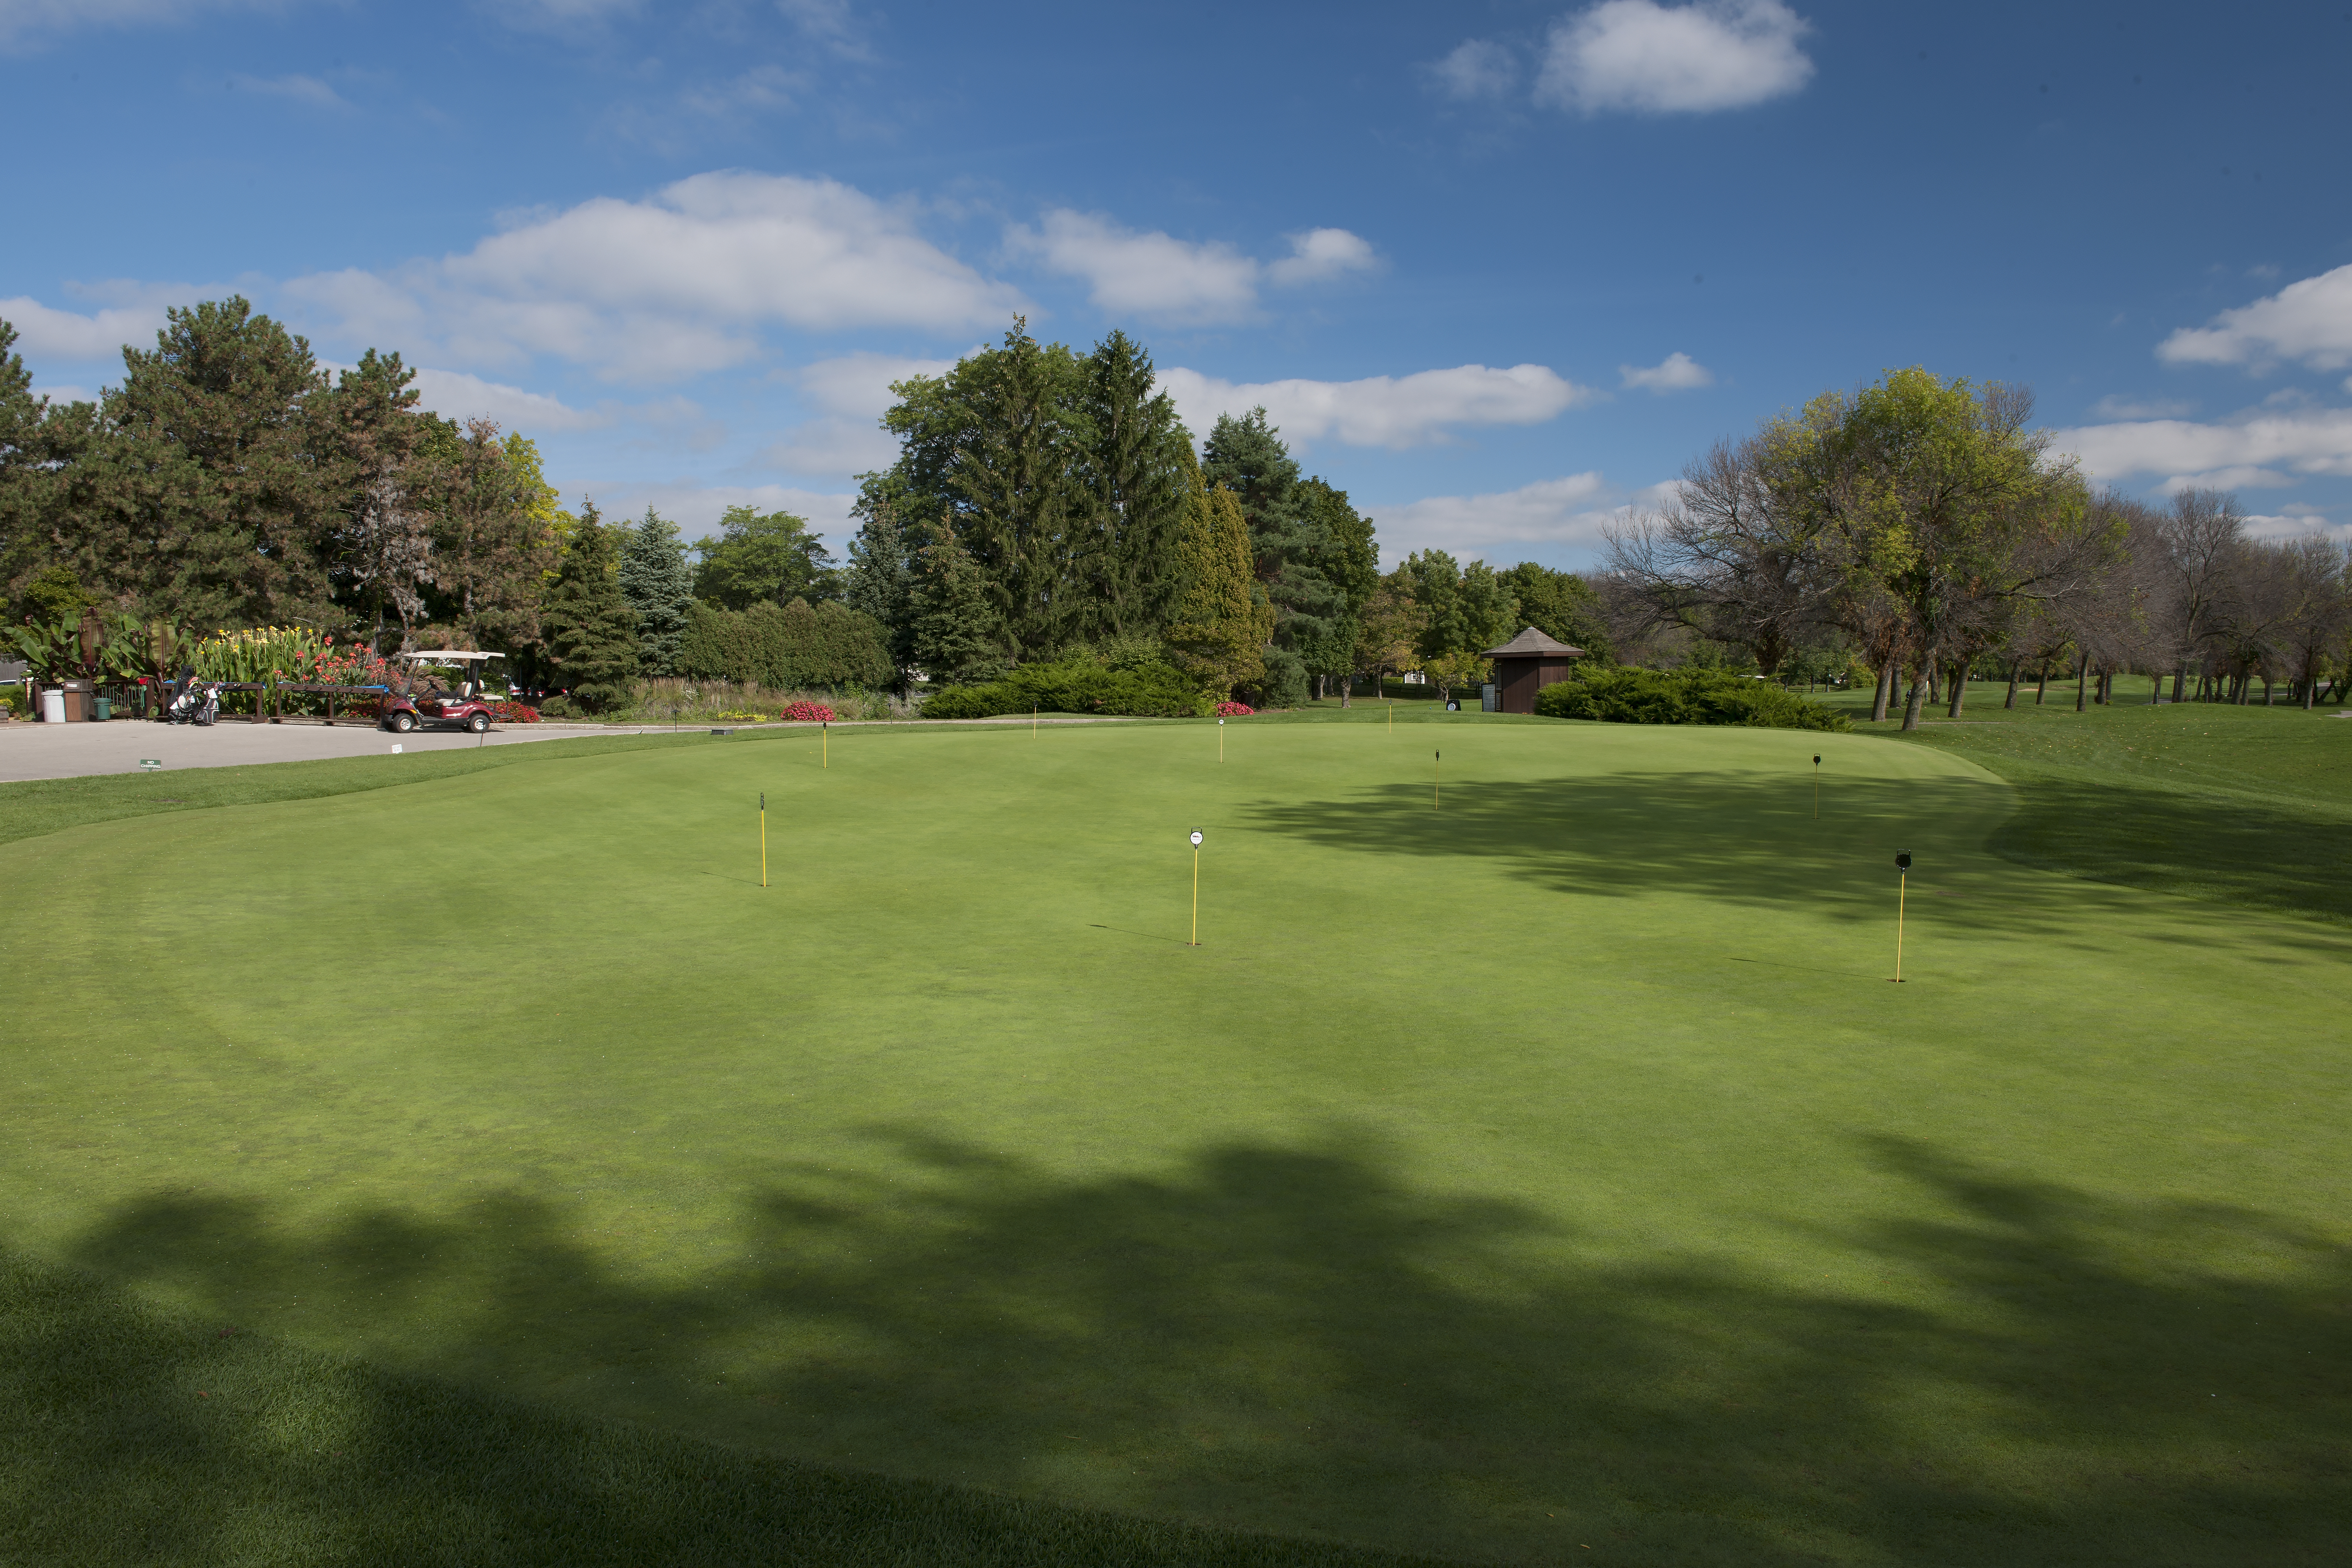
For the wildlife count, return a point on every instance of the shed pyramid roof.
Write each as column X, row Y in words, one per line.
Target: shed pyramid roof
column 1533, row 644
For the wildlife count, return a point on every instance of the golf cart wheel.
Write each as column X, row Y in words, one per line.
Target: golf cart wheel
column 477, row 722
column 402, row 723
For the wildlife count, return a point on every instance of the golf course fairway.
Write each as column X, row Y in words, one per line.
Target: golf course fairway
column 1542, row 1170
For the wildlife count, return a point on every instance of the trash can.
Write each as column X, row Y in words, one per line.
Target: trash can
column 78, row 695
column 53, row 705
column 102, row 708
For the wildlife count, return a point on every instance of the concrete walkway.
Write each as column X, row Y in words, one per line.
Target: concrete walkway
column 29, row 751
column 72, row 750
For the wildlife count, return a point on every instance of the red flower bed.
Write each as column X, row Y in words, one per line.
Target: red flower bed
column 1234, row 709
column 806, row 713
column 514, row 713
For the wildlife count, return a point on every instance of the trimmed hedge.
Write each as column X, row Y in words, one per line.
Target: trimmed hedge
column 782, row 647
column 1622, row 694
column 1150, row 690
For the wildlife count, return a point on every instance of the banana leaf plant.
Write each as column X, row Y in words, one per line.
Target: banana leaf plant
column 54, row 652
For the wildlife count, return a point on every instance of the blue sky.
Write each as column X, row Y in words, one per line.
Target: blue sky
column 1497, row 270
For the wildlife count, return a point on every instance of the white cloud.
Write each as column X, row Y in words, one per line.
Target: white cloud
column 1637, row 54
column 830, row 24
column 759, row 89
column 696, row 506
column 1177, row 281
column 26, row 19
column 134, row 317
column 1148, row 274
column 1565, row 512
column 673, row 285
column 2297, row 520
column 307, row 89
column 453, row 394
column 1381, row 411
column 855, row 390
column 2114, row 407
column 859, row 385
column 557, row 15
column 1675, row 373
column 2256, row 448
column 2309, row 321
column 1476, row 68
column 1322, row 253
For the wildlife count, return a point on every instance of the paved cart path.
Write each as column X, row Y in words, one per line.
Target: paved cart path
column 29, row 751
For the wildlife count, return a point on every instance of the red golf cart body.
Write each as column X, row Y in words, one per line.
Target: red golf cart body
column 464, row 709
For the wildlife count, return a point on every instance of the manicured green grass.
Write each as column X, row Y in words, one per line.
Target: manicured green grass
column 2248, row 805
column 1555, row 1174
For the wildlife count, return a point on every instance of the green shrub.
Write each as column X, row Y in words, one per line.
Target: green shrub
column 1622, row 694
column 783, row 647
column 1151, row 690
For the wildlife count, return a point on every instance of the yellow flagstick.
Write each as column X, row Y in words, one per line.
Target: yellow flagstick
column 763, row 838
column 1391, row 718
column 1033, row 723
column 1221, row 740
column 1437, row 782
column 1196, row 890
column 825, row 742
column 1902, row 894
column 1817, row 786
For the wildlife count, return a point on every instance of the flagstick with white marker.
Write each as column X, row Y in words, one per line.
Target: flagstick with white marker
column 1196, row 890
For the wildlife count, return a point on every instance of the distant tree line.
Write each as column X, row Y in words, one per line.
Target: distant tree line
column 1921, row 528
column 231, row 481
column 1045, row 500
column 1046, row 505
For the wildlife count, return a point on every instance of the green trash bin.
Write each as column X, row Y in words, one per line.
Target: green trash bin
column 105, row 706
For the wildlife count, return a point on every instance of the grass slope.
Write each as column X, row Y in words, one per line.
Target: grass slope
column 1555, row 1174
column 2247, row 806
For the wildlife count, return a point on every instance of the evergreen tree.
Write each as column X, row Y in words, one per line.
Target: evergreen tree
column 1000, row 443
column 1351, row 563
column 882, row 574
column 659, row 586
column 957, row 633
column 1135, row 475
column 1293, row 554
column 26, row 487
column 212, row 507
column 1219, row 624
column 591, row 631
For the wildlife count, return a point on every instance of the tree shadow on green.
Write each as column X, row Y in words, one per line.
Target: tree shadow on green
column 2265, row 852
column 1734, row 838
column 1277, row 1338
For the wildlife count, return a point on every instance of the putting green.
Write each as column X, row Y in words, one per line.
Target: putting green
column 1554, row 1168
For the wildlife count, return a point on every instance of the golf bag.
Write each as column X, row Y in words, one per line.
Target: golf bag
column 197, row 703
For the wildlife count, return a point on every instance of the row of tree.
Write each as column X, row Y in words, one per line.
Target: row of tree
column 1923, row 526
column 1044, row 499
column 1043, row 502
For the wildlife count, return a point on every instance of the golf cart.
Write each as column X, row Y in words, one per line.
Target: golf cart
column 465, row 708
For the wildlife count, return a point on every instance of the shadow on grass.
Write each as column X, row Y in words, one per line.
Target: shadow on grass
column 1743, row 840
column 1275, row 1337
column 2264, row 852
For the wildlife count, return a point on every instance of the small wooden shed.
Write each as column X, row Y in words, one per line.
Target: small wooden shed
column 1526, row 665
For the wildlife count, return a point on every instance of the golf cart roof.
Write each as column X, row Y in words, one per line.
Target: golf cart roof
column 447, row 655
